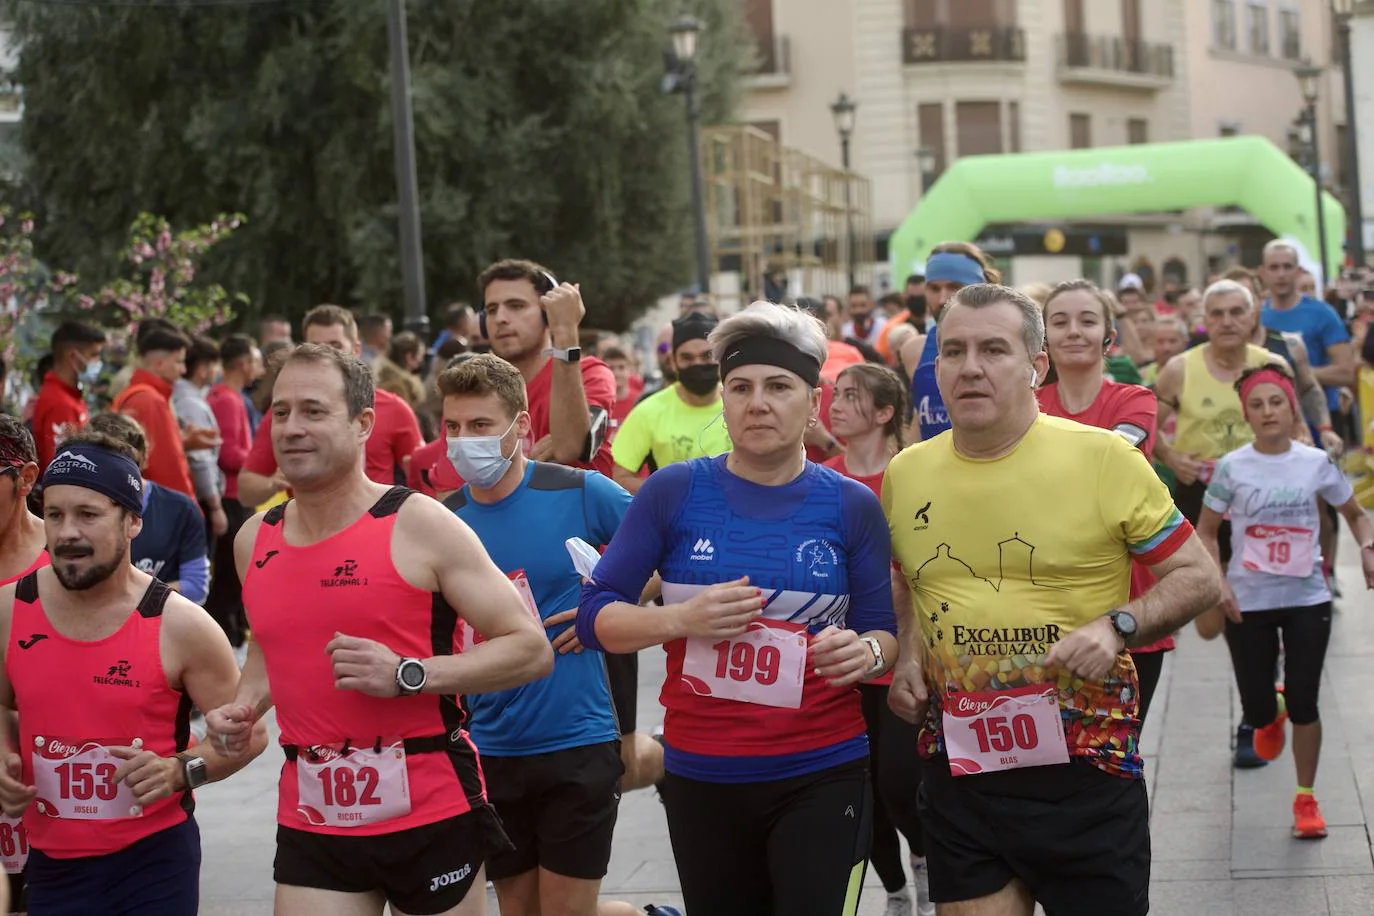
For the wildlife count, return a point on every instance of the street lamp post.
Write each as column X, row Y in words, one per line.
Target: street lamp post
column 1309, row 81
column 682, row 77
column 407, row 192
column 843, row 109
column 925, row 162
column 1344, row 9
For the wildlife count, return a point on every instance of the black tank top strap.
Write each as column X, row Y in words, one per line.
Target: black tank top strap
column 391, row 501
column 274, row 515
column 154, row 599
column 26, row 589
column 428, row 745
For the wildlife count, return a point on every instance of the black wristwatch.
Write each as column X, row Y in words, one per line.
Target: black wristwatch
column 1124, row 624
column 411, row 677
column 193, row 768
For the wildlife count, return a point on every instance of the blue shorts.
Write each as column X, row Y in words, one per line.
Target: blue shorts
column 157, row 876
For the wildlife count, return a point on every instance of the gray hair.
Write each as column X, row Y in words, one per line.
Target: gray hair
column 1175, row 322
column 1228, row 287
column 980, row 295
column 1279, row 245
column 795, row 326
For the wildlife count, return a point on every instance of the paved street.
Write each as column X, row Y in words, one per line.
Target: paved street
column 1221, row 837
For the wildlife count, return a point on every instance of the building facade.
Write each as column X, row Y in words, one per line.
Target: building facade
column 939, row 79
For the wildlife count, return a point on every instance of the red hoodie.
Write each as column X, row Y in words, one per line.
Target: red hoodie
column 148, row 399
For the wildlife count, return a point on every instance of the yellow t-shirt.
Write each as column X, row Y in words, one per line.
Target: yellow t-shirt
column 1211, row 421
column 1004, row 557
column 671, row 430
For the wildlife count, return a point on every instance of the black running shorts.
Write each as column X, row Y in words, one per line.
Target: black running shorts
column 1079, row 838
column 422, row 870
column 558, row 809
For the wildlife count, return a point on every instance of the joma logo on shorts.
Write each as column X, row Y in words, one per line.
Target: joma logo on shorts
column 451, row 878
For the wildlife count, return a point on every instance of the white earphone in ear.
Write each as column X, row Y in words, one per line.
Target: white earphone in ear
column 1035, row 377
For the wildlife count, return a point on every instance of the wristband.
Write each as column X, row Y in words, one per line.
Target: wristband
column 1328, row 428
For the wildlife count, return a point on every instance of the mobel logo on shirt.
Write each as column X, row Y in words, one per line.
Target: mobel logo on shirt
column 345, row 574
column 117, row 676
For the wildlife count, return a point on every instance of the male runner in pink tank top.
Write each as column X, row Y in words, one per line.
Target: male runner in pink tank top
column 106, row 662
column 354, row 591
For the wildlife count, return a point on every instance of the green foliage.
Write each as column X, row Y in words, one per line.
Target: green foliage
column 540, row 132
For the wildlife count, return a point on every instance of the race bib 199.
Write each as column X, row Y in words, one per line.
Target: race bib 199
column 75, row 779
column 764, row 665
column 353, row 787
column 1279, row 550
column 1004, row 729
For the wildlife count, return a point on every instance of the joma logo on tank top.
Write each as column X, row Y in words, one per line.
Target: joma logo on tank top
column 345, row 574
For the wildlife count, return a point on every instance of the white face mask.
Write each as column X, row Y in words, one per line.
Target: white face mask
column 478, row 459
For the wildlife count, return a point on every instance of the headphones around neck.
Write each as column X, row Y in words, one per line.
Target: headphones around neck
column 550, row 283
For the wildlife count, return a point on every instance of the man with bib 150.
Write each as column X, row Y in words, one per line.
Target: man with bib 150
column 1010, row 585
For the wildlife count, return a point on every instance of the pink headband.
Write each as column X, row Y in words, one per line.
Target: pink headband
column 1268, row 377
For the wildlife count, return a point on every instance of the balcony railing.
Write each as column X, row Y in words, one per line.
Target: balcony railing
column 1115, row 54
column 939, row 44
column 773, row 56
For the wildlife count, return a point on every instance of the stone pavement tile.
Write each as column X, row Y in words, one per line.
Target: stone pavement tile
column 1280, row 895
column 1264, row 797
column 1190, row 837
column 1190, row 797
column 232, row 908
column 1188, row 869
column 1192, row 898
column 1350, row 896
column 1260, row 852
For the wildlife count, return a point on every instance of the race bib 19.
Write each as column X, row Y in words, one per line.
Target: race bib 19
column 764, row 665
column 75, row 779
column 353, row 787
column 1279, row 550
column 1004, row 730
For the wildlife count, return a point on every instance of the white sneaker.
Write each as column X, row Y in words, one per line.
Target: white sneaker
column 920, row 878
column 898, row 904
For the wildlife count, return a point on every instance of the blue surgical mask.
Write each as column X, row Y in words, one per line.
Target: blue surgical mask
column 478, row 459
column 91, row 372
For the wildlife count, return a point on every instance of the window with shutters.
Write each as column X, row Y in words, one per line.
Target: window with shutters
column 979, row 126
column 1080, row 131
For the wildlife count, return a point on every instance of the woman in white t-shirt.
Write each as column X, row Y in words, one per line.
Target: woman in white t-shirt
column 1274, row 582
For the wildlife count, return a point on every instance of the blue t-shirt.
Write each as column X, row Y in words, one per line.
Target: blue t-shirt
column 526, row 531
column 817, row 546
column 1319, row 326
column 172, row 545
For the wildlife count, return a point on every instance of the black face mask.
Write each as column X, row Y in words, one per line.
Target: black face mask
column 701, row 379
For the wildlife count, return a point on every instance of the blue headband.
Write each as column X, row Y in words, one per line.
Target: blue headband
column 84, row 464
column 954, row 267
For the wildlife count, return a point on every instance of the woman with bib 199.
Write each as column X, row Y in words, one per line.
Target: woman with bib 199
column 1274, row 582
column 777, row 604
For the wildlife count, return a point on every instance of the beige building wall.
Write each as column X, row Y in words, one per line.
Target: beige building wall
column 856, row 46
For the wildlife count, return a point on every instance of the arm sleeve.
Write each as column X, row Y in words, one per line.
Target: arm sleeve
column 636, row 549
column 193, row 568
column 606, row 505
column 869, row 553
column 260, row 459
column 1333, row 486
column 632, row 443
column 1136, row 506
column 233, row 425
column 1139, row 409
column 1222, row 490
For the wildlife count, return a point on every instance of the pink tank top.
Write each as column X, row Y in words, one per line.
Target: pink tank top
column 77, row 698
column 343, row 747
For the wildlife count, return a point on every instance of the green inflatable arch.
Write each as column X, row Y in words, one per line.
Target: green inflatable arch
column 1248, row 172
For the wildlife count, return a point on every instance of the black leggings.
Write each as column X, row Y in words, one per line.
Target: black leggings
column 1254, row 645
column 1148, row 666
column 787, row 847
column 896, row 774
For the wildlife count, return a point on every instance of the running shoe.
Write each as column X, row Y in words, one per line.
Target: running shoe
column 1270, row 739
column 920, row 879
column 898, row 904
column 652, row 910
column 1308, row 823
column 1246, row 758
